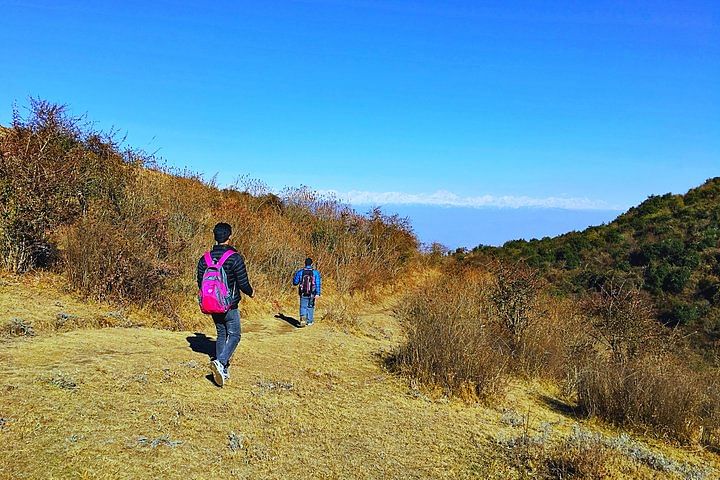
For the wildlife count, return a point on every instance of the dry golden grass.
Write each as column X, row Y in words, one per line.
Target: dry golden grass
column 310, row 403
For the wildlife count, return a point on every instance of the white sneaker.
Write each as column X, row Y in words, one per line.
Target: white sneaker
column 218, row 372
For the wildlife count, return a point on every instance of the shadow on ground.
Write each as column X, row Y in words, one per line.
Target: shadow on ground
column 291, row 320
column 560, row 407
column 201, row 343
column 388, row 360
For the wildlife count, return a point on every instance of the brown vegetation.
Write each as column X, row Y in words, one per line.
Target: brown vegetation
column 638, row 373
column 450, row 342
column 469, row 331
column 124, row 228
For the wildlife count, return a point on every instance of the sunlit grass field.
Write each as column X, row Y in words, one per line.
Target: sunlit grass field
column 138, row 402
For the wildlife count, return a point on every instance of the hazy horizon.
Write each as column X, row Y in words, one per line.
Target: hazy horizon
column 468, row 227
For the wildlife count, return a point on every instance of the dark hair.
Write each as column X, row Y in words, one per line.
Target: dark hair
column 308, row 262
column 222, row 232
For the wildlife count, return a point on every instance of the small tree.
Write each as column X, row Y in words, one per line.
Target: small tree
column 621, row 318
column 514, row 300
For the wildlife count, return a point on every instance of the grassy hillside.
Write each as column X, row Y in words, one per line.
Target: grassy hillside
column 120, row 226
column 669, row 245
column 313, row 403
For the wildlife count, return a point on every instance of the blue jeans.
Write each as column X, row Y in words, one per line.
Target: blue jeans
column 228, row 334
column 307, row 308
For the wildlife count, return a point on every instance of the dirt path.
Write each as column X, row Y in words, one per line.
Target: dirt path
column 129, row 403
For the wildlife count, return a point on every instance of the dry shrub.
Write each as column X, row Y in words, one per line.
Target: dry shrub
column 538, row 331
column 450, row 343
column 51, row 168
column 652, row 392
column 637, row 375
column 135, row 253
column 550, row 344
column 105, row 261
column 514, row 298
column 620, row 320
column 468, row 327
column 581, row 455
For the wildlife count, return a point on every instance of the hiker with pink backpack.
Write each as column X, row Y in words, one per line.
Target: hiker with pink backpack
column 309, row 282
column 221, row 276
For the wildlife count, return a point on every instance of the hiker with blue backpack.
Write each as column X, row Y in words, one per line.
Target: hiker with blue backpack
column 221, row 276
column 309, row 284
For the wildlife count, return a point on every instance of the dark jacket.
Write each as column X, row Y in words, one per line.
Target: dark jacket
column 234, row 267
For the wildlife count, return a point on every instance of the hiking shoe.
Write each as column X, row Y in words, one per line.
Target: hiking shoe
column 309, row 324
column 218, row 372
column 226, row 371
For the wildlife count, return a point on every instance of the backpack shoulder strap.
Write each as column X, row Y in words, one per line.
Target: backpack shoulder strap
column 224, row 257
column 208, row 260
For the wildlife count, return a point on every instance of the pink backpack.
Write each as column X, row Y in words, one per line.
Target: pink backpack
column 214, row 295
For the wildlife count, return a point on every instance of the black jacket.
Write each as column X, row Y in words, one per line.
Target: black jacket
column 234, row 267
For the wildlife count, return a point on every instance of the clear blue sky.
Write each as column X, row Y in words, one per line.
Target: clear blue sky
column 598, row 104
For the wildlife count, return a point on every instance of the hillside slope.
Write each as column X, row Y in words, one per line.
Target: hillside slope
column 310, row 403
column 670, row 244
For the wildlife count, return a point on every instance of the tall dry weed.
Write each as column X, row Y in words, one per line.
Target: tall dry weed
column 538, row 331
column 469, row 329
column 450, row 342
column 658, row 394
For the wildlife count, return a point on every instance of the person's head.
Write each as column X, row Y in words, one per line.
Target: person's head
column 308, row 262
column 222, row 232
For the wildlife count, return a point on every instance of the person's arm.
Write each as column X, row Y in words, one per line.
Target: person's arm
column 296, row 278
column 318, row 283
column 241, row 276
column 201, row 266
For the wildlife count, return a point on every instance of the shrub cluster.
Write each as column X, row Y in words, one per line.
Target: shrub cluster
column 655, row 393
column 468, row 330
column 638, row 373
column 52, row 167
column 450, row 344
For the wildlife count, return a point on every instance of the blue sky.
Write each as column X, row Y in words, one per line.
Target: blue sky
column 582, row 106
